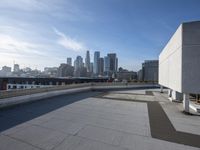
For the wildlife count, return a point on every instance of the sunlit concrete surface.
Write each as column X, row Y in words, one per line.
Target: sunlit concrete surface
column 92, row 123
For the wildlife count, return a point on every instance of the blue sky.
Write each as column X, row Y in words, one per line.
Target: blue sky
column 39, row 33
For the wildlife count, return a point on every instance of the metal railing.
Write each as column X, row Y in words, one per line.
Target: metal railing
column 22, row 92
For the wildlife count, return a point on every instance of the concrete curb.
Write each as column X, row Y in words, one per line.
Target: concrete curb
column 6, row 102
column 34, row 97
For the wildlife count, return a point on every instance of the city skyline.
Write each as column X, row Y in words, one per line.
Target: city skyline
column 33, row 31
column 69, row 60
column 79, row 68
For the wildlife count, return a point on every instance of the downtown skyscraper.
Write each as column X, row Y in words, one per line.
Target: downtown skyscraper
column 113, row 61
column 87, row 61
column 69, row 61
column 96, row 62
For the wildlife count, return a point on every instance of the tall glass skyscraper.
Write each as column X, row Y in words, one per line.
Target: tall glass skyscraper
column 78, row 63
column 106, row 65
column 96, row 62
column 69, row 61
column 87, row 61
column 113, row 62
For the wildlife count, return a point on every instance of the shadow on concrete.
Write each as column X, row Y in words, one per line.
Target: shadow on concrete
column 12, row 116
column 162, row 128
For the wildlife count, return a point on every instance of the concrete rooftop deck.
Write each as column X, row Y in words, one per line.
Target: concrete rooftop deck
column 116, row 120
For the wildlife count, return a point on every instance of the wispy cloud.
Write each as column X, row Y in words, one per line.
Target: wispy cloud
column 68, row 42
column 24, row 5
column 11, row 45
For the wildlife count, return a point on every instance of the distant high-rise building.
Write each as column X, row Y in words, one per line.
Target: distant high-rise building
column 106, row 65
column 51, row 71
column 113, row 62
column 65, row 70
column 78, row 62
column 150, row 70
column 140, row 75
column 87, row 61
column 16, row 68
column 96, row 62
column 69, row 61
column 101, row 66
column 91, row 67
column 78, row 66
column 6, row 69
column 125, row 75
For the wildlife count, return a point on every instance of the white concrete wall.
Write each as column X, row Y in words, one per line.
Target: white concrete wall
column 191, row 58
column 179, row 62
column 170, row 62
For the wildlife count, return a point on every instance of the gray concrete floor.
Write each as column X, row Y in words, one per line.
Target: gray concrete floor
column 88, row 124
column 182, row 122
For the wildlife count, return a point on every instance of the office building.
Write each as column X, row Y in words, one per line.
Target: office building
column 78, row 63
column 16, row 68
column 127, row 76
column 78, row 66
column 113, row 62
column 140, row 75
column 65, row 70
column 106, row 65
column 87, row 61
column 96, row 62
column 150, row 70
column 91, row 68
column 6, row 69
column 69, row 61
column 101, row 66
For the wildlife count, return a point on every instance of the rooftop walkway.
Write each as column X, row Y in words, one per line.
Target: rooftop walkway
column 115, row 120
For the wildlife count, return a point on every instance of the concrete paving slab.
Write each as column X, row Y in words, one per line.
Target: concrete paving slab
column 101, row 134
column 134, row 128
column 64, row 126
column 43, row 138
column 79, row 143
column 8, row 143
column 15, row 129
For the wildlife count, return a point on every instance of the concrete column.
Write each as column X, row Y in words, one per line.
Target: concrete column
column 186, row 102
column 161, row 89
column 169, row 92
column 177, row 96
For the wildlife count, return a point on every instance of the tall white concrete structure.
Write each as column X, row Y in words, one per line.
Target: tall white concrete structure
column 179, row 61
